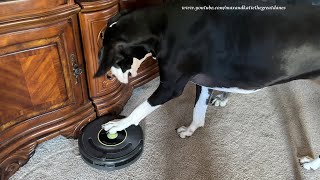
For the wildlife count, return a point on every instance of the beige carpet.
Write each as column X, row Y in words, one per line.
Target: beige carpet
column 256, row 136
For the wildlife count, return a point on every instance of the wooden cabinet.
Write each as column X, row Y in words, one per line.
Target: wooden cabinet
column 48, row 56
column 43, row 85
column 108, row 94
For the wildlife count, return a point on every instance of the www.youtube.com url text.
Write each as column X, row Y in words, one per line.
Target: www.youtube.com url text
column 243, row 7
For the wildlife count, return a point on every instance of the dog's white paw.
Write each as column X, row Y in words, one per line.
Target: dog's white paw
column 305, row 159
column 184, row 132
column 118, row 125
column 308, row 163
column 219, row 101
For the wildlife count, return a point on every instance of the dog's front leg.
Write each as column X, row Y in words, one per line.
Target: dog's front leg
column 164, row 93
column 133, row 119
column 199, row 112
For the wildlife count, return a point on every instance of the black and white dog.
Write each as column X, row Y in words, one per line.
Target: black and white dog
column 229, row 51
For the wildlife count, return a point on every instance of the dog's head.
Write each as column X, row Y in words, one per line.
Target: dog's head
column 126, row 41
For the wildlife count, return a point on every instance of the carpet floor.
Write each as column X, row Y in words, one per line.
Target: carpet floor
column 256, row 136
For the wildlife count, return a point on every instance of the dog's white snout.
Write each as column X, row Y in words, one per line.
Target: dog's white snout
column 122, row 77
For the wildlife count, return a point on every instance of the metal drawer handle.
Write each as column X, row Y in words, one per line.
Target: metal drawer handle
column 77, row 71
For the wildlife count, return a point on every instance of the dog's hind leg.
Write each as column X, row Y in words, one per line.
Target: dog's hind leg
column 199, row 112
column 220, row 99
column 309, row 164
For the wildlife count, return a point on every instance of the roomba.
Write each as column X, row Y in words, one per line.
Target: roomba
column 106, row 151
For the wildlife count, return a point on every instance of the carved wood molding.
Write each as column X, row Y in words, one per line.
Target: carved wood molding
column 21, row 8
column 16, row 153
column 113, row 102
column 96, row 5
column 73, row 130
column 14, row 161
column 47, row 17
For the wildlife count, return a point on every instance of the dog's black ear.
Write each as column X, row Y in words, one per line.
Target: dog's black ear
column 118, row 16
column 105, row 63
column 143, row 47
column 101, row 70
column 138, row 51
column 140, row 48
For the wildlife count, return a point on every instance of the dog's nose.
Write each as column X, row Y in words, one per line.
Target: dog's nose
column 109, row 76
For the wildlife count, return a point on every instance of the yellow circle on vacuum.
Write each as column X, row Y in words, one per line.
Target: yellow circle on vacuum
column 112, row 136
column 114, row 144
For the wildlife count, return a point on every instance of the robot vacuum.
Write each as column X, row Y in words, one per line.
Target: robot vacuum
column 110, row 152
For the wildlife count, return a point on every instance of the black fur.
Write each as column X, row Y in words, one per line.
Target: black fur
column 244, row 49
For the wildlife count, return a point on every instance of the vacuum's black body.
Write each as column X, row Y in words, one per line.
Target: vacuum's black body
column 101, row 152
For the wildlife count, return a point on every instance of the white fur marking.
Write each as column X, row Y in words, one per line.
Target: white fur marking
column 199, row 114
column 309, row 164
column 122, row 77
column 135, row 66
column 218, row 102
column 113, row 24
column 234, row 90
column 137, row 63
column 134, row 118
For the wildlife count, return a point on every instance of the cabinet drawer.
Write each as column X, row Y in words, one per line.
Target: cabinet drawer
column 92, row 24
column 36, row 73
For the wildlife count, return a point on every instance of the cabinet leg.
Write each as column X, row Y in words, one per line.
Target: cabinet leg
column 13, row 161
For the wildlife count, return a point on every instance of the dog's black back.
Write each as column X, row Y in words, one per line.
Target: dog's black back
column 244, row 49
